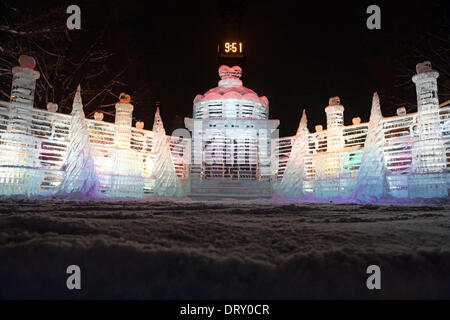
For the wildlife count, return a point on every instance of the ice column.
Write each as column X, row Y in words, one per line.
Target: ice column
column 126, row 179
column 123, row 165
column 167, row 182
column 430, row 154
column 123, row 120
column 292, row 184
column 335, row 122
column 24, row 82
column 80, row 177
column 20, row 147
column 371, row 180
column 22, row 99
column 429, row 157
column 328, row 165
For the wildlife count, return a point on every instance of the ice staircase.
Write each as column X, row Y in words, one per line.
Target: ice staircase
column 215, row 189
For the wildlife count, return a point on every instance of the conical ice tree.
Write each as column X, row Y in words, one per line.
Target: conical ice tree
column 167, row 182
column 80, row 176
column 292, row 183
column 371, row 181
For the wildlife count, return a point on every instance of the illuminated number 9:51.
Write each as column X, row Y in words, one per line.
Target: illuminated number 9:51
column 233, row 47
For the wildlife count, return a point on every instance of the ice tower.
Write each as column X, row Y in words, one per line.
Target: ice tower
column 20, row 145
column 231, row 145
column 24, row 82
column 428, row 153
column 123, row 120
column 126, row 167
column 329, row 164
column 335, row 122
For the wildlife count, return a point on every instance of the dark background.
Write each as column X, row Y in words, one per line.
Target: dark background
column 298, row 53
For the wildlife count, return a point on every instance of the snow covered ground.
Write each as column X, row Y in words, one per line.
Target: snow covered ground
column 190, row 250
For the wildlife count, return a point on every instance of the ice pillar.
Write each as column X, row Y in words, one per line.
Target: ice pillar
column 126, row 171
column 429, row 157
column 19, row 152
column 22, row 100
column 335, row 122
column 329, row 164
column 123, row 120
column 123, row 165
column 430, row 154
column 24, row 82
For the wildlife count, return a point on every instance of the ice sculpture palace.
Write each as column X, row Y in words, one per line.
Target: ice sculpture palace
column 229, row 150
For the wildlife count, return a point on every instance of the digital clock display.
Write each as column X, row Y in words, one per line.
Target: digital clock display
column 232, row 49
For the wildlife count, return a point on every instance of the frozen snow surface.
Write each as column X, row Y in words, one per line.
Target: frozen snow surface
column 223, row 249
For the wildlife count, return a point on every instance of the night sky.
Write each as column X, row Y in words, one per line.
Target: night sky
column 298, row 53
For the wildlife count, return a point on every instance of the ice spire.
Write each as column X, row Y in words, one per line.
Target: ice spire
column 371, row 180
column 292, row 182
column 80, row 177
column 167, row 182
column 158, row 124
column 303, row 124
column 77, row 104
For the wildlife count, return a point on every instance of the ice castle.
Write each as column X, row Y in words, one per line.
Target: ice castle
column 231, row 150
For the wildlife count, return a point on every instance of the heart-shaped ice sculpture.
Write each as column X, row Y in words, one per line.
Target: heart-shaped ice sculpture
column 227, row 72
